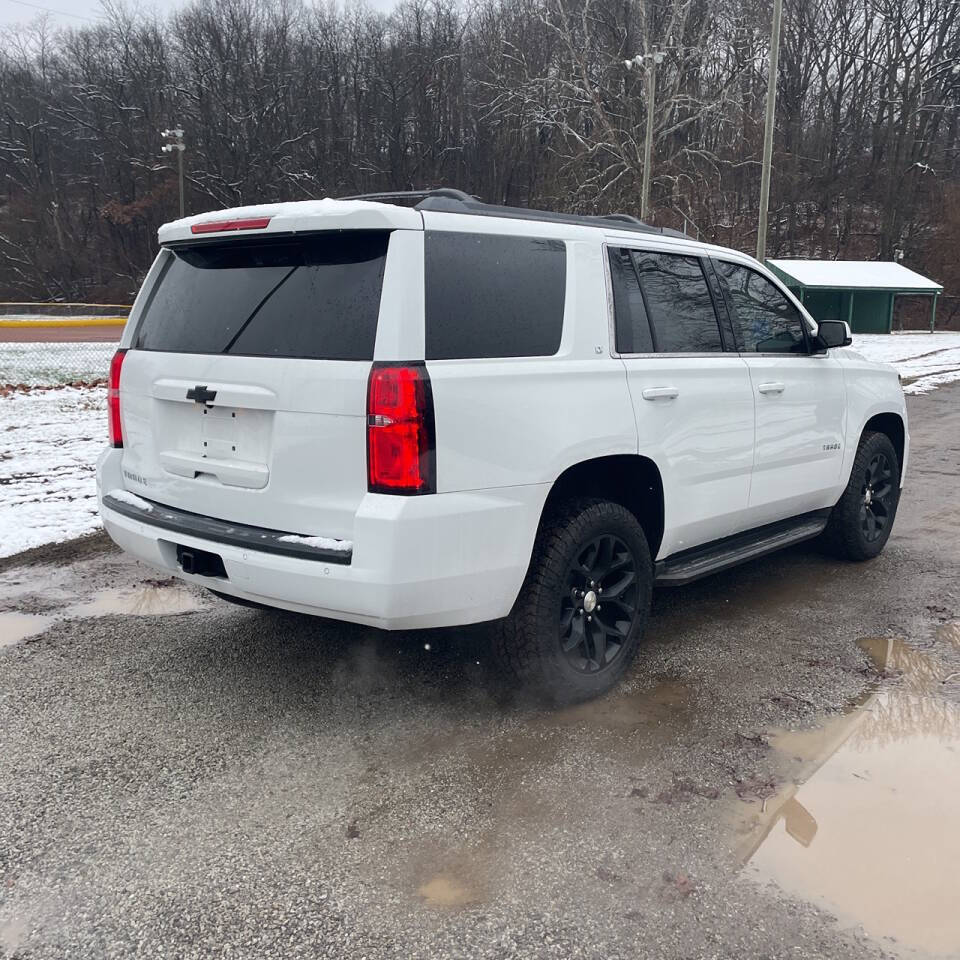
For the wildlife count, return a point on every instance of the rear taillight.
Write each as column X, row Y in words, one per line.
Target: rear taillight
column 401, row 453
column 113, row 400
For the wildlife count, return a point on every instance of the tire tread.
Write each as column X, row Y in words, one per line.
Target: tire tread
column 517, row 641
column 842, row 535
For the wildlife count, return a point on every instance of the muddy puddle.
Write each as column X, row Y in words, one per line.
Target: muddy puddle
column 868, row 829
column 149, row 599
column 628, row 709
column 37, row 596
column 15, row 627
column 445, row 890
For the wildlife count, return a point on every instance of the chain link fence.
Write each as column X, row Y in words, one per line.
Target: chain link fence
column 54, row 364
column 51, row 345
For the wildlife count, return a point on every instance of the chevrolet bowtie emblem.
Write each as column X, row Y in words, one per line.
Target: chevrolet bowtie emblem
column 201, row 394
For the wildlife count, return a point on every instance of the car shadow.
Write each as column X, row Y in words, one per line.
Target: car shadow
column 305, row 653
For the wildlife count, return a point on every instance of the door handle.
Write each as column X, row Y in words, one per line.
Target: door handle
column 772, row 387
column 660, row 393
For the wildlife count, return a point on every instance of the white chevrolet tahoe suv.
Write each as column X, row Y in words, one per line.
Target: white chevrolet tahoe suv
column 454, row 413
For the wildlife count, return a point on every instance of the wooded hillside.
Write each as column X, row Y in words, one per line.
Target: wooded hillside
column 518, row 101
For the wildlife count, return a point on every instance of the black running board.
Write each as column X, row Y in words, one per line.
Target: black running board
column 690, row 565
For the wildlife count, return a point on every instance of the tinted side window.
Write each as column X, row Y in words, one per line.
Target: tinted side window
column 678, row 302
column 315, row 297
column 766, row 320
column 630, row 314
column 493, row 296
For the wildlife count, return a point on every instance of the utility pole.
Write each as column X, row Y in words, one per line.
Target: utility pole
column 768, row 131
column 654, row 58
column 175, row 142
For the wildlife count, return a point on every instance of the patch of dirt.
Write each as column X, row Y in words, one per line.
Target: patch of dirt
column 83, row 547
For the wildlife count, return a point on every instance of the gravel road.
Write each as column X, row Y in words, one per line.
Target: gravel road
column 184, row 778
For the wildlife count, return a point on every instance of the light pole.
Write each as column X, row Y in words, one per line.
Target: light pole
column 175, row 143
column 654, row 58
column 768, row 131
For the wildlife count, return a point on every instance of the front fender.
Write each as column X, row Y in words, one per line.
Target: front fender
column 872, row 389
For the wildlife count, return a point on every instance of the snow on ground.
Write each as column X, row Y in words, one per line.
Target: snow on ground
column 50, row 439
column 925, row 361
column 49, row 444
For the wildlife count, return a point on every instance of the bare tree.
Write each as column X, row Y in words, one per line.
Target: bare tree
column 518, row 101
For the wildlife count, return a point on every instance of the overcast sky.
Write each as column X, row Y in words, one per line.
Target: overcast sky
column 77, row 12
column 69, row 13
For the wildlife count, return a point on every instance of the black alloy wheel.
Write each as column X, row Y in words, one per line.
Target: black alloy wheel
column 582, row 609
column 875, row 509
column 600, row 603
column 861, row 520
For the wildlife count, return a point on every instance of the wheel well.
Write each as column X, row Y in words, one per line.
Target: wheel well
column 626, row 479
column 892, row 425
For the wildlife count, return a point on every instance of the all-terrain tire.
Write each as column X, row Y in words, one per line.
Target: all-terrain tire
column 862, row 519
column 528, row 643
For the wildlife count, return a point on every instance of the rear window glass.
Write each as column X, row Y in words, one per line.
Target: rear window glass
column 493, row 296
column 678, row 302
column 315, row 297
column 630, row 314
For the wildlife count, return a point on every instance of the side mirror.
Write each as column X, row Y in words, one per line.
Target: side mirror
column 833, row 333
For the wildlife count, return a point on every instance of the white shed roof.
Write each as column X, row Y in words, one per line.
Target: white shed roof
column 855, row 275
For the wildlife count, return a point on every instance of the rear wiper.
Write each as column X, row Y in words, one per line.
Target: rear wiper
column 246, row 323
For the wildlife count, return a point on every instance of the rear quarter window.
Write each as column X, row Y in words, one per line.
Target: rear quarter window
column 314, row 297
column 493, row 296
column 630, row 313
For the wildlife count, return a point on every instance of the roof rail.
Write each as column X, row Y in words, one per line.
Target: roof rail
column 624, row 217
column 448, row 192
column 448, row 200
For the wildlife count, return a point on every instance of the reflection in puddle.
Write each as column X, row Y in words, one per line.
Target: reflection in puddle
column 950, row 633
column 871, row 831
column 15, row 627
column 150, row 599
column 892, row 657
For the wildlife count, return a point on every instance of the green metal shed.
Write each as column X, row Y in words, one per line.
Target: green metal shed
column 858, row 291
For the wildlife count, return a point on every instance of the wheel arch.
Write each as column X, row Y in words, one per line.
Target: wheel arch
column 632, row 480
column 892, row 425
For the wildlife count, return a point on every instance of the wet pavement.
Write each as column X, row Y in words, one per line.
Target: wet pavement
column 776, row 777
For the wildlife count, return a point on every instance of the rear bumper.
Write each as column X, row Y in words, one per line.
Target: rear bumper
column 431, row 561
column 180, row 522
